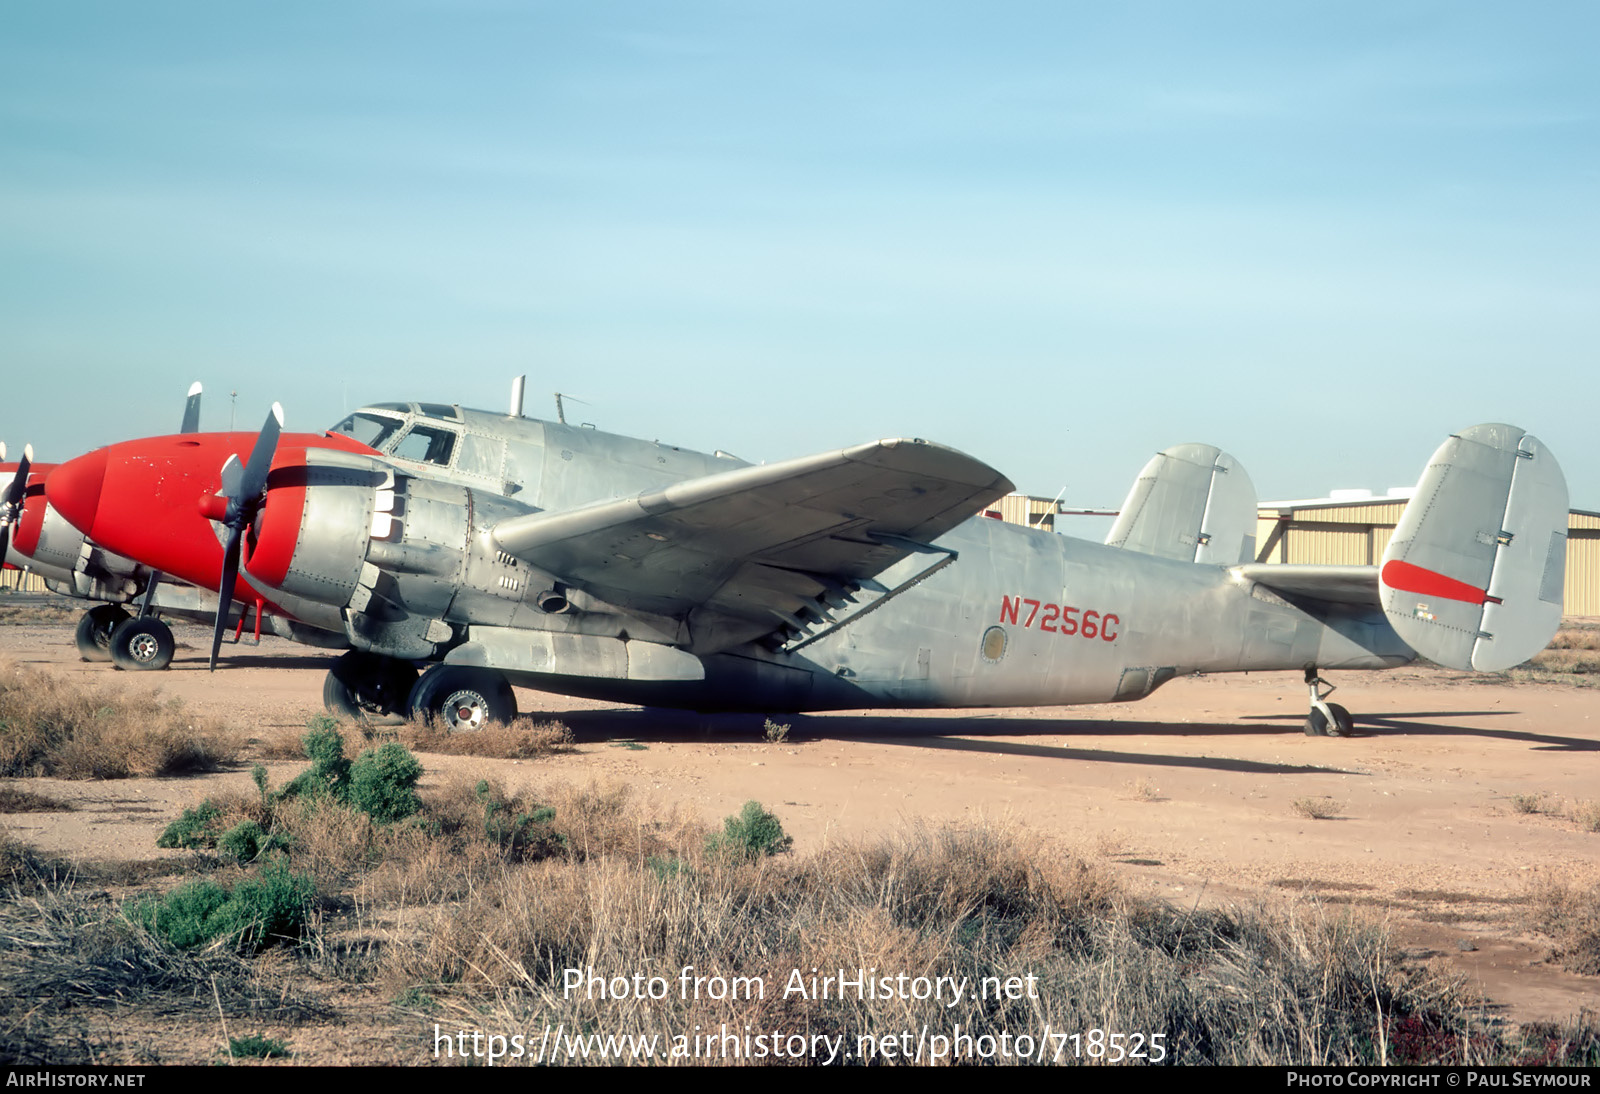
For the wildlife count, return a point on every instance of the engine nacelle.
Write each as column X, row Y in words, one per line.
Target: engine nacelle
column 312, row 534
column 406, row 560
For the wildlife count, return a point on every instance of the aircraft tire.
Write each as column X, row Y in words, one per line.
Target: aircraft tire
column 463, row 699
column 368, row 688
column 1316, row 723
column 1343, row 725
column 142, row 644
column 94, row 631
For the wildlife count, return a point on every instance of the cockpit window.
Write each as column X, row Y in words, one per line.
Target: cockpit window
column 426, row 445
column 439, row 410
column 371, row 430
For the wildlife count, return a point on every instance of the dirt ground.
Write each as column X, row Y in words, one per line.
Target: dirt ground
column 1190, row 795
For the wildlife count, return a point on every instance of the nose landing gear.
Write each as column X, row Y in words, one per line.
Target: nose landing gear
column 1326, row 719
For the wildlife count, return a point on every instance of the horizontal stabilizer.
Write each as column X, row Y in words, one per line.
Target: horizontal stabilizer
column 1192, row 503
column 1332, row 584
column 1473, row 575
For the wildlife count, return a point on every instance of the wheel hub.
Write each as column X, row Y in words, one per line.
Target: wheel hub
column 144, row 648
column 465, row 709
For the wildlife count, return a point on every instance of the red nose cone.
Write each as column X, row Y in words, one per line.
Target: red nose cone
column 74, row 489
column 214, row 507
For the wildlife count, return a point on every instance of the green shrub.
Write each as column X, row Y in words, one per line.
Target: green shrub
column 330, row 771
column 258, row 909
column 383, row 783
column 246, row 842
column 196, row 828
column 522, row 833
column 257, row 1046
column 750, row 835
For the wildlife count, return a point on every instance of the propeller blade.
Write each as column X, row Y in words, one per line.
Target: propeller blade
column 232, row 477
column 230, row 575
column 19, row 481
column 191, row 410
column 244, row 488
column 255, row 472
column 11, row 503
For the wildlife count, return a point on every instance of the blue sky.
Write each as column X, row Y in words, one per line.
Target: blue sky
column 1059, row 236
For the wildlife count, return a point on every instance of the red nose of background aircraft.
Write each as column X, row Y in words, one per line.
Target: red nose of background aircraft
column 22, row 503
column 144, row 498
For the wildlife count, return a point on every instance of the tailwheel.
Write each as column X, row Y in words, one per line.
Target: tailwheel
column 142, row 644
column 463, row 699
column 369, row 688
column 1326, row 719
column 94, row 631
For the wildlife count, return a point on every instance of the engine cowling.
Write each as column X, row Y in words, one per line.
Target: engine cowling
column 323, row 510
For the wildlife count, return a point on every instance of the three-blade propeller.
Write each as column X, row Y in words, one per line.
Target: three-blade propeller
column 11, row 502
column 245, row 488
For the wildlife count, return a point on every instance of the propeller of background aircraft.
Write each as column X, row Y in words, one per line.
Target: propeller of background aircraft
column 11, row 503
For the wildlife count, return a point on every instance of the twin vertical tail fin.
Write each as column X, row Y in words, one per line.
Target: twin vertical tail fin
column 1473, row 577
column 1191, row 503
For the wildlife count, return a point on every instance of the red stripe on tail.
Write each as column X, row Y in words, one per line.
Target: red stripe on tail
column 1414, row 579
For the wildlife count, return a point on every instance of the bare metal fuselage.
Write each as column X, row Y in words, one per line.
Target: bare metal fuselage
column 1019, row 618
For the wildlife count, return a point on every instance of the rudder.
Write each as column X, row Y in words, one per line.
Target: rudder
column 1473, row 576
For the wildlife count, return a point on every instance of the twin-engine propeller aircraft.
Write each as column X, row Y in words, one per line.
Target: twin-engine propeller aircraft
column 503, row 550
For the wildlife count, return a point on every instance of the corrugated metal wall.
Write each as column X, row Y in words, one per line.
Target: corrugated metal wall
column 21, row 582
column 1025, row 510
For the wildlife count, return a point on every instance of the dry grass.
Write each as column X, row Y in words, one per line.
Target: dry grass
column 65, row 953
column 1530, row 803
column 1576, row 636
column 56, row 726
column 1569, row 915
column 1320, row 808
column 1144, row 790
column 33, row 609
column 1587, row 814
column 1575, row 662
column 523, row 739
column 1236, row 987
column 13, row 799
column 481, row 928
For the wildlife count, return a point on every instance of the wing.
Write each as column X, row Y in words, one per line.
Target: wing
column 743, row 553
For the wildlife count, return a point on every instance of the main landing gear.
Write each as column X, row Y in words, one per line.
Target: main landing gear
column 1326, row 719
column 94, row 631
column 463, row 699
column 142, row 643
column 369, row 688
column 137, row 643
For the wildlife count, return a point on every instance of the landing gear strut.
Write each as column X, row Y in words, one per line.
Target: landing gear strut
column 1326, row 719
column 369, row 688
